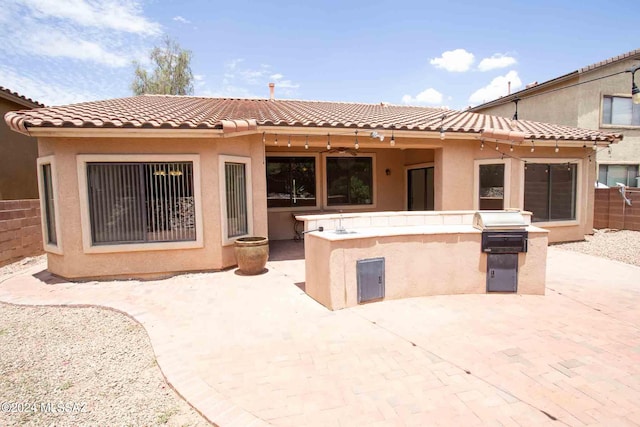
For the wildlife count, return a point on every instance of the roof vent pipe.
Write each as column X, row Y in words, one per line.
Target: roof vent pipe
column 508, row 88
column 272, row 88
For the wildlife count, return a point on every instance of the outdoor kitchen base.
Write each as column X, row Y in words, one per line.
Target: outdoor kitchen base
column 419, row 260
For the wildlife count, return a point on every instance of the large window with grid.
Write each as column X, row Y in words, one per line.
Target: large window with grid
column 550, row 191
column 140, row 202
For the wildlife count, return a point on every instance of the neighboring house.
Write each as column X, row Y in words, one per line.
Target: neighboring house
column 18, row 152
column 603, row 104
column 157, row 184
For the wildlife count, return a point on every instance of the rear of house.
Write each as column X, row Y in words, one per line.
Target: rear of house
column 154, row 185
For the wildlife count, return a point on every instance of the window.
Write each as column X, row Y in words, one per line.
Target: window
column 291, row 182
column 619, row 110
column 235, row 197
column 550, row 191
column 611, row 175
column 491, row 195
column 349, row 181
column 141, row 202
column 49, row 207
column 49, row 204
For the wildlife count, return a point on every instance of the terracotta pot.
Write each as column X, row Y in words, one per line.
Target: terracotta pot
column 252, row 254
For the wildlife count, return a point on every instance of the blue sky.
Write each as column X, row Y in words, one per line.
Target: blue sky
column 451, row 54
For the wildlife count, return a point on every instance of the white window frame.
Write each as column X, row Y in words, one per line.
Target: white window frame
column 374, row 192
column 49, row 247
column 507, row 181
column 580, row 197
column 319, row 196
column 85, row 217
column 222, row 190
column 609, row 125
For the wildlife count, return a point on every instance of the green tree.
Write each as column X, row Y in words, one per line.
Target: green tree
column 171, row 74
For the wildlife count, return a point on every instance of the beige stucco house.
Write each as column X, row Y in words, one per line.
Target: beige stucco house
column 595, row 97
column 18, row 152
column 152, row 185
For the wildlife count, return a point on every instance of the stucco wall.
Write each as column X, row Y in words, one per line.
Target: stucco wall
column 75, row 263
column 454, row 176
column 18, row 154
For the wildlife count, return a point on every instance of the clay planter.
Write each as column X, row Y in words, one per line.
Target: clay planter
column 252, row 254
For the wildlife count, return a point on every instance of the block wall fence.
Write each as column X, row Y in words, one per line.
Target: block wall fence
column 20, row 231
column 611, row 211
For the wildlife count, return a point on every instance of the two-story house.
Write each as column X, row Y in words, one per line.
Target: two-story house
column 595, row 97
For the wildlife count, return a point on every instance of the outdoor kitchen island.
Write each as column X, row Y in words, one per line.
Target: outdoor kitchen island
column 362, row 257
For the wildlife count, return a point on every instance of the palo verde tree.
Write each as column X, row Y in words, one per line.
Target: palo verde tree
column 171, row 73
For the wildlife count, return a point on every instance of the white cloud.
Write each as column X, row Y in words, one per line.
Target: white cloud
column 181, row 20
column 119, row 15
column 458, row 60
column 428, row 96
column 42, row 91
column 497, row 88
column 497, row 60
column 198, row 77
column 59, row 45
column 283, row 84
column 240, row 80
column 276, row 76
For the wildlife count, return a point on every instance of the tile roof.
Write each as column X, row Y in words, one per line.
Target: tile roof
column 188, row 112
column 20, row 99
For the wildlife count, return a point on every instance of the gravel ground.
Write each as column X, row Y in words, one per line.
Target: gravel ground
column 97, row 363
column 619, row 245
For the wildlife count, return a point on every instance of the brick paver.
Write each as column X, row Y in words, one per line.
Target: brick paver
column 257, row 350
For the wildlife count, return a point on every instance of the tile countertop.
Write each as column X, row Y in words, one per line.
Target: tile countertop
column 368, row 232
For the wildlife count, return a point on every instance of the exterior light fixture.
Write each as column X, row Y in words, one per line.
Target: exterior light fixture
column 356, row 145
column 557, row 149
column 442, row 136
column 328, row 141
column 635, row 92
column 289, row 142
column 306, row 142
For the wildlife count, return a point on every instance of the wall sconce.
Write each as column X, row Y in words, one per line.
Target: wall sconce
column 387, row 171
column 635, row 92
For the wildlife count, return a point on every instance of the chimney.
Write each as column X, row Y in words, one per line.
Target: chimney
column 272, row 87
column 508, row 88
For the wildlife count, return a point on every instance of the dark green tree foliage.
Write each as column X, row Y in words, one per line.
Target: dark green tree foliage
column 171, row 74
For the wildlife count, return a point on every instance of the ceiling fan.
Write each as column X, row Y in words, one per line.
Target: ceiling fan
column 341, row 150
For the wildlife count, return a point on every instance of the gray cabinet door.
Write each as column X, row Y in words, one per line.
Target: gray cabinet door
column 502, row 272
column 370, row 279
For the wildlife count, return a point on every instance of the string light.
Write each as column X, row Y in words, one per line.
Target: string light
column 393, row 139
column 557, row 149
column 306, row 142
column 533, row 146
column 497, row 146
column 328, row 141
column 264, row 137
column 595, row 146
column 275, row 141
column 356, row 145
column 442, row 134
column 511, row 148
column 609, row 149
column 289, row 142
column 481, row 145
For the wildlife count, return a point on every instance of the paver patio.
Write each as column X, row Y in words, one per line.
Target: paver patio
column 256, row 350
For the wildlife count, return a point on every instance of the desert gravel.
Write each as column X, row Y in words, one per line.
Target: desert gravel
column 96, row 363
column 619, row 245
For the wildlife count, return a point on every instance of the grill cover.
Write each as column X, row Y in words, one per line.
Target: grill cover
column 499, row 220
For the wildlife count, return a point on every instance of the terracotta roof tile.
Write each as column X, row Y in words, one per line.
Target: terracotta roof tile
column 21, row 99
column 188, row 112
